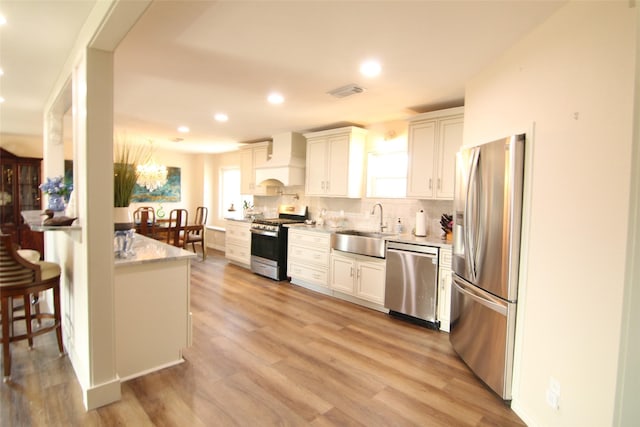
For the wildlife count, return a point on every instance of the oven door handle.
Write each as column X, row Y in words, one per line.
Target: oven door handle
column 265, row 233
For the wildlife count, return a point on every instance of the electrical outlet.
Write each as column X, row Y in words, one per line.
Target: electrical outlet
column 553, row 393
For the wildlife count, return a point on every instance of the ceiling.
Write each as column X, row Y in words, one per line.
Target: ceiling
column 184, row 61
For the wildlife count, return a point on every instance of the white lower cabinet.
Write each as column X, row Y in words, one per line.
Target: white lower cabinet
column 237, row 242
column 360, row 276
column 444, row 289
column 343, row 273
column 308, row 258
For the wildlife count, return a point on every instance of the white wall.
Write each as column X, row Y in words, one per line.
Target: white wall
column 627, row 408
column 573, row 76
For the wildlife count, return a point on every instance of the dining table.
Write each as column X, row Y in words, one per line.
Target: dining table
column 162, row 227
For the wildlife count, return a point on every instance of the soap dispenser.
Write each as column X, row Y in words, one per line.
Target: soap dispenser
column 399, row 227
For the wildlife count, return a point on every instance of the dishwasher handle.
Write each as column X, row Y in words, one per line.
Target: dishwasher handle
column 400, row 254
column 410, row 247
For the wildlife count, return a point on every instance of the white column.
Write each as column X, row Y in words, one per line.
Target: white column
column 86, row 256
column 97, row 208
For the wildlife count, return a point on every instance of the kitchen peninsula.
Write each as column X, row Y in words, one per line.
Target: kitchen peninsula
column 153, row 319
column 152, row 299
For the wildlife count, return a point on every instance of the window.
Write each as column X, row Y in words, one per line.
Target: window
column 229, row 193
column 387, row 174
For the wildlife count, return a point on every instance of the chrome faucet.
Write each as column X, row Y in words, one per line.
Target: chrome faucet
column 373, row 210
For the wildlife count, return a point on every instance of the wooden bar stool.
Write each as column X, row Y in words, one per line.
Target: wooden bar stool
column 20, row 278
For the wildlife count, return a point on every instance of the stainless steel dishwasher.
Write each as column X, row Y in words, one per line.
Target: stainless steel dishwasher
column 411, row 281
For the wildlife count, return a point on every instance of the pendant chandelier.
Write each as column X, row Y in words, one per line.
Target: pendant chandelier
column 152, row 175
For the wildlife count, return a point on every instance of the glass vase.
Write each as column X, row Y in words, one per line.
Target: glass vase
column 56, row 203
column 123, row 243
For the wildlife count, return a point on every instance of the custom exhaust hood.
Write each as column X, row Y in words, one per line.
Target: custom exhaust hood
column 287, row 162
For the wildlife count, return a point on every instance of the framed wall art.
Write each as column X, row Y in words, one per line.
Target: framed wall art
column 168, row 193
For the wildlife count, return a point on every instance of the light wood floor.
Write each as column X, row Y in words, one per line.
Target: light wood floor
column 270, row 353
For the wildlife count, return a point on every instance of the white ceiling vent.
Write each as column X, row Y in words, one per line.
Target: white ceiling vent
column 344, row 91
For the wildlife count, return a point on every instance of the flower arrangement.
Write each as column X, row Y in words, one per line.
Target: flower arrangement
column 56, row 186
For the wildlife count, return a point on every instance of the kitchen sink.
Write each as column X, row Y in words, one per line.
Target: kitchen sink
column 371, row 243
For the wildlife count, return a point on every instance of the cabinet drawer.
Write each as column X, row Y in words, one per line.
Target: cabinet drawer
column 308, row 255
column 310, row 239
column 313, row 275
column 238, row 253
column 236, row 233
column 238, row 242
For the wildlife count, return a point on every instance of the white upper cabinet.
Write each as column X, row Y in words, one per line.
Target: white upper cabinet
column 434, row 139
column 251, row 157
column 335, row 160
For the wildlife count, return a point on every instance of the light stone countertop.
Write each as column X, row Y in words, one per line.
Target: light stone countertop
column 147, row 250
column 239, row 219
column 405, row 238
column 424, row 241
column 315, row 228
column 34, row 220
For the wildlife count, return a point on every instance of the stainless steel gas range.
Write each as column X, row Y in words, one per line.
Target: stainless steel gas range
column 269, row 241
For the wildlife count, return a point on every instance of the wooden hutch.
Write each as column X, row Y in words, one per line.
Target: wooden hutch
column 19, row 191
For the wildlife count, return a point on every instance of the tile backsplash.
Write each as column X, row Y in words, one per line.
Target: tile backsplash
column 356, row 213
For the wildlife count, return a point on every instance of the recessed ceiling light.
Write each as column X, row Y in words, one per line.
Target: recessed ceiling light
column 3, row 20
column 1, row 100
column 1, row 72
column 275, row 98
column 221, row 117
column 183, row 129
column 370, row 68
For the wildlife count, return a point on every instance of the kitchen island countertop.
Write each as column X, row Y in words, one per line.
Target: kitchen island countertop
column 148, row 250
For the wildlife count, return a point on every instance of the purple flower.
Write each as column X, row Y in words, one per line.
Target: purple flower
column 56, row 185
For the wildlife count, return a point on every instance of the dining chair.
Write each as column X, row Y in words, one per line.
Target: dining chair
column 145, row 220
column 21, row 278
column 197, row 235
column 178, row 219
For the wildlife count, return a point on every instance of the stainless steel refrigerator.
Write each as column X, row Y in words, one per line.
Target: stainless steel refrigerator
column 486, row 258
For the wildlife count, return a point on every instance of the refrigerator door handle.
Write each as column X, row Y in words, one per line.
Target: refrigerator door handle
column 470, row 215
column 486, row 300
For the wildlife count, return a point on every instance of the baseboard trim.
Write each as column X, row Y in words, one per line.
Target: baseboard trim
column 102, row 394
column 154, row 369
